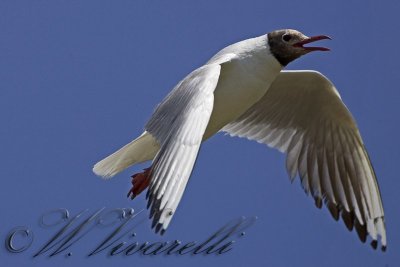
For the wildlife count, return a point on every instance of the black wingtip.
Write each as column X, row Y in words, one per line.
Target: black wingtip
column 334, row 210
column 383, row 248
column 348, row 219
column 151, row 214
column 361, row 231
column 158, row 228
column 162, row 232
column 153, row 224
column 374, row 244
column 318, row 202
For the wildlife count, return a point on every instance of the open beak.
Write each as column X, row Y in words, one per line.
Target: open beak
column 313, row 39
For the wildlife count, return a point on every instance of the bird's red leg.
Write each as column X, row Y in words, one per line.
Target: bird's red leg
column 140, row 181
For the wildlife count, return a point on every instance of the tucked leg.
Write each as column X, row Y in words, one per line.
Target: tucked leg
column 140, row 181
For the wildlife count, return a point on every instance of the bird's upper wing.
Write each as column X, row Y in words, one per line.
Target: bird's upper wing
column 178, row 124
column 302, row 114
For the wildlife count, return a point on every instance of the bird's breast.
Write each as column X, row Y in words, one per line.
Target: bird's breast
column 241, row 84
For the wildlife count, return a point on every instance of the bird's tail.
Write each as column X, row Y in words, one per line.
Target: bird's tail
column 143, row 148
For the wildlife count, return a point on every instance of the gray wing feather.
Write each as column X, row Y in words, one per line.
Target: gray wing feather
column 302, row 115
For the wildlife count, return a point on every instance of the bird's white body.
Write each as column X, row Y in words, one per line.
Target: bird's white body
column 247, row 70
column 243, row 80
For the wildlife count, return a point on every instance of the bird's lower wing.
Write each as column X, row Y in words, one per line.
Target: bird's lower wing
column 302, row 114
column 178, row 124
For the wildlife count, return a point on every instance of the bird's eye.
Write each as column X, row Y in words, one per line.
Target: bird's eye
column 286, row 37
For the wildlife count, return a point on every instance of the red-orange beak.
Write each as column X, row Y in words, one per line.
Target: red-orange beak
column 313, row 39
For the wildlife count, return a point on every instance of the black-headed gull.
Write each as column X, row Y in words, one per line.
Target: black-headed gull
column 243, row 91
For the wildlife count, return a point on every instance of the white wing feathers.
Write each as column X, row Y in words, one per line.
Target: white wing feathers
column 302, row 114
column 178, row 124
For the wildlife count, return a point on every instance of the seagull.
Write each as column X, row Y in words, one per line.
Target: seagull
column 244, row 91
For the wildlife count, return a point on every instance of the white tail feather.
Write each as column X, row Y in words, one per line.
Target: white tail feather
column 143, row 148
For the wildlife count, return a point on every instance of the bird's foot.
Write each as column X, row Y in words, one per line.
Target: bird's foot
column 140, row 181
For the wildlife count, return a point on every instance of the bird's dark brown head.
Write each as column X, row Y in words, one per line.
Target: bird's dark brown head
column 287, row 45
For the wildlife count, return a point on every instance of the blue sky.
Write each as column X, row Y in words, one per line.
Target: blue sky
column 79, row 79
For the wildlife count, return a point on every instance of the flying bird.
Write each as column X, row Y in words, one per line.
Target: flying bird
column 244, row 91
